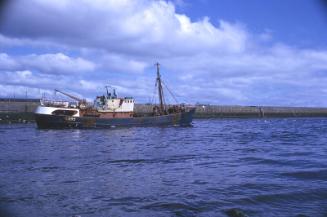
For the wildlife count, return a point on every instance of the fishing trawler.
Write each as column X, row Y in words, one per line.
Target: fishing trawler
column 109, row 111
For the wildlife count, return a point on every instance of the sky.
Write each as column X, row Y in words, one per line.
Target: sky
column 230, row 52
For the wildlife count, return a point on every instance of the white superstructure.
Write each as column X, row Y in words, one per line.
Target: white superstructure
column 105, row 106
column 115, row 105
column 46, row 110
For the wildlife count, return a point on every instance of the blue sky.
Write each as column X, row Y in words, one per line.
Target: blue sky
column 252, row 52
column 297, row 22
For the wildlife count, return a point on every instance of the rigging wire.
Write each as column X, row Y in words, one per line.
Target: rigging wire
column 171, row 93
column 163, row 95
column 154, row 98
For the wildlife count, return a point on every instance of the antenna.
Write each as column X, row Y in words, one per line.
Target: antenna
column 114, row 95
column 107, row 89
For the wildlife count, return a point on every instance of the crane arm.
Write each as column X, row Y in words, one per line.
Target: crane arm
column 70, row 96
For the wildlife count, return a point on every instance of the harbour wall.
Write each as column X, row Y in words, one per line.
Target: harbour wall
column 21, row 110
column 16, row 110
column 18, row 105
column 227, row 111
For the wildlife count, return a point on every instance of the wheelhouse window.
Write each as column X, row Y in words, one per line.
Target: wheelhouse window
column 64, row 112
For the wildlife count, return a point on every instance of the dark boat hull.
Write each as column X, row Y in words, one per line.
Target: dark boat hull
column 62, row 121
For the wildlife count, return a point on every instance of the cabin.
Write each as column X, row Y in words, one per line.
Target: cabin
column 110, row 106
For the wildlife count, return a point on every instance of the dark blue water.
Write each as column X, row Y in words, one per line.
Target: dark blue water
column 237, row 167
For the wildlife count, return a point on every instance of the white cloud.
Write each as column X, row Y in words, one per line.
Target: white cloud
column 89, row 85
column 57, row 63
column 218, row 62
column 44, row 82
column 146, row 27
column 7, row 42
column 21, row 90
column 120, row 63
column 6, row 62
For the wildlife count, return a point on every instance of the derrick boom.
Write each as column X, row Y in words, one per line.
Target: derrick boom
column 70, row 96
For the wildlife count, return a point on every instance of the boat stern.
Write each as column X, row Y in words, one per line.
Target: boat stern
column 187, row 117
column 55, row 117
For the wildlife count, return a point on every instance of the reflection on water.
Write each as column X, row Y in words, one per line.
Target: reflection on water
column 236, row 167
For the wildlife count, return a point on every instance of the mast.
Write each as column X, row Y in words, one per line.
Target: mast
column 160, row 90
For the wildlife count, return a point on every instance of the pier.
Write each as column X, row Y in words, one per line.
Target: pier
column 21, row 110
column 227, row 111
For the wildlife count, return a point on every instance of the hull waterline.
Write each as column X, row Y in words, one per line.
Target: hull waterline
column 45, row 121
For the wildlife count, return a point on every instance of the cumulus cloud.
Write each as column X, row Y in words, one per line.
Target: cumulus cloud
column 120, row 63
column 6, row 62
column 143, row 27
column 58, row 63
column 45, row 83
column 118, row 41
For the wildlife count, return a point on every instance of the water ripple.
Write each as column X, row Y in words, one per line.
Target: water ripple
column 226, row 167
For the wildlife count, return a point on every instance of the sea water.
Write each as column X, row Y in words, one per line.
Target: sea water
column 218, row 167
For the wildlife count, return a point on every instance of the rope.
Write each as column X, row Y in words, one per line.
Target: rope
column 153, row 99
column 171, row 93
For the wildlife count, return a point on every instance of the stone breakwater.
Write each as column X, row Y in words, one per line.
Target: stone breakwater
column 21, row 110
column 15, row 110
column 225, row 111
